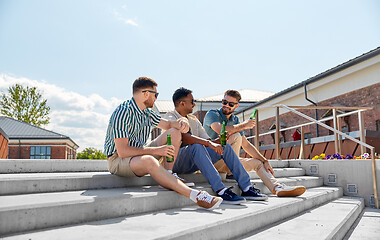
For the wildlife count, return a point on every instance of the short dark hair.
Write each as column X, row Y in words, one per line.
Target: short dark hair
column 179, row 94
column 233, row 93
column 143, row 82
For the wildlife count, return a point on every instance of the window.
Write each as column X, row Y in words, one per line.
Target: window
column 261, row 143
column 282, row 140
column 40, row 152
column 378, row 125
column 307, row 135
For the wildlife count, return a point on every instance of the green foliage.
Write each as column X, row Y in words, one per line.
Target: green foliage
column 25, row 104
column 91, row 153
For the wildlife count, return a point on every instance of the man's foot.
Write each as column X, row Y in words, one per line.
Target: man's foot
column 230, row 178
column 289, row 191
column 230, row 197
column 254, row 194
column 207, row 201
column 187, row 183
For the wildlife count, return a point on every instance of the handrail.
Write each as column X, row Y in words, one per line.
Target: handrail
column 309, row 123
column 337, row 133
column 326, row 126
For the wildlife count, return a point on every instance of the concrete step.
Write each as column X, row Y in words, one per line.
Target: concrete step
column 282, row 172
column 227, row 222
column 40, row 210
column 51, row 165
column 23, row 183
column 366, row 227
column 307, row 181
column 72, row 165
column 330, row 221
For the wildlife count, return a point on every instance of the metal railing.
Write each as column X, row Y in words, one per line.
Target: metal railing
column 337, row 133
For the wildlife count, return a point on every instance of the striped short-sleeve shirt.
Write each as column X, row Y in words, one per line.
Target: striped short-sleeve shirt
column 128, row 121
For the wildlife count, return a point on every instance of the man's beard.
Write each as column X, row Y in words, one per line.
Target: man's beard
column 148, row 103
column 227, row 112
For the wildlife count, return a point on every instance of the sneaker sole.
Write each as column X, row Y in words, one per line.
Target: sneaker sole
column 190, row 184
column 234, row 202
column 293, row 193
column 216, row 205
column 256, row 198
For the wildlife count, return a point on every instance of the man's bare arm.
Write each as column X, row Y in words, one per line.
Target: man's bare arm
column 248, row 124
column 191, row 139
column 124, row 151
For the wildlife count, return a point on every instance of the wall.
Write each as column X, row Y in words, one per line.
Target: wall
column 3, row 147
column 357, row 172
column 58, row 151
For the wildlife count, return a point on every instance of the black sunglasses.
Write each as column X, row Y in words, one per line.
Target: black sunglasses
column 231, row 104
column 155, row 93
column 192, row 101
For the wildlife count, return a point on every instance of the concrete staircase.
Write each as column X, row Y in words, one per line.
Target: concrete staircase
column 76, row 199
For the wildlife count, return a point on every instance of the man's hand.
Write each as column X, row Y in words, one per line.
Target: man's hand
column 216, row 147
column 249, row 123
column 268, row 167
column 165, row 150
column 183, row 125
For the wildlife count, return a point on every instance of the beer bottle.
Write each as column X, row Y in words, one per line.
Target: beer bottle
column 169, row 142
column 253, row 115
column 223, row 135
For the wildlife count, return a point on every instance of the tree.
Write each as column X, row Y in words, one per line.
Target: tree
column 91, row 153
column 25, row 104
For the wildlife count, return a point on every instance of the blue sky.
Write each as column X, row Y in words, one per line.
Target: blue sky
column 85, row 54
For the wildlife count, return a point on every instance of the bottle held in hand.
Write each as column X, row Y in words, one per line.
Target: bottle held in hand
column 223, row 135
column 169, row 142
column 253, row 115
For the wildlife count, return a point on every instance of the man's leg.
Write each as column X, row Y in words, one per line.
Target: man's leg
column 147, row 164
column 195, row 157
column 235, row 140
column 234, row 164
column 268, row 179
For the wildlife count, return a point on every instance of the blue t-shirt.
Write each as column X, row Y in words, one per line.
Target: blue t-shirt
column 218, row 116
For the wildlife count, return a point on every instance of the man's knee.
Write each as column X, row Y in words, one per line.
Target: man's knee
column 175, row 134
column 149, row 162
column 235, row 138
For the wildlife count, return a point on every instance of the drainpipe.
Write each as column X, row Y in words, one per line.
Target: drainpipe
column 316, row 110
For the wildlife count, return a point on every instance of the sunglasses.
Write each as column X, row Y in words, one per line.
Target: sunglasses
column 155, row 93
column 231, row 104
column 192, row 101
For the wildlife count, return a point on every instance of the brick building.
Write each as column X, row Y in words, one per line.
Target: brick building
column 30, row 142
column 353, row 83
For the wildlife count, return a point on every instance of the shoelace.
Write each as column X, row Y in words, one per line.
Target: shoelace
column 229, row 192
column 203, row 196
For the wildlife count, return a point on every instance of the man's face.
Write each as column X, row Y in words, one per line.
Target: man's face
column 229, row 105
column 151, row 97
column 188, row 104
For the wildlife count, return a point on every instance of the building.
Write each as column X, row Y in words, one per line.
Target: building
column 3, row 144
column 355, row 83
column 31, row 142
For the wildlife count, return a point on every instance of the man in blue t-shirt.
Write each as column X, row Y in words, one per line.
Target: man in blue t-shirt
column 212, row 123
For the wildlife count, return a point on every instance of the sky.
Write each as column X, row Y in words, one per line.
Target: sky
column 85, row 54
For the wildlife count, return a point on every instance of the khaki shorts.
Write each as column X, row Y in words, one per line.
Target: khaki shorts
column 120, row 166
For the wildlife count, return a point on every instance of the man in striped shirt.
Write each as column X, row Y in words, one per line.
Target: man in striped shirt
column 125, row 144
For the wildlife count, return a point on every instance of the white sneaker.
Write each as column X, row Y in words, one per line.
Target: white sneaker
column 187, row 183
column 289, row 191
column 207, row 201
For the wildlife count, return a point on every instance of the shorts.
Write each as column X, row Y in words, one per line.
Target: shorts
column 120, row 166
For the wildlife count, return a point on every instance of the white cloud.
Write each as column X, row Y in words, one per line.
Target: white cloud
column 82, row 118
column 121, row 18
